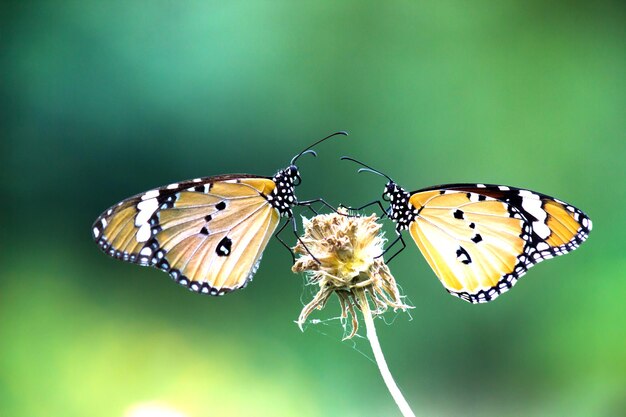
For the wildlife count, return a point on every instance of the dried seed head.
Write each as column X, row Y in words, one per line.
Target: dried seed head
column 342, row 256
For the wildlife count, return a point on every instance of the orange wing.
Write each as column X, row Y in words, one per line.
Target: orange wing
column 208, row 234
column 479, row 239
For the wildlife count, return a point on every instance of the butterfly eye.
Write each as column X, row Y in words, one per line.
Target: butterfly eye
column 386, row 196
column 297, row 180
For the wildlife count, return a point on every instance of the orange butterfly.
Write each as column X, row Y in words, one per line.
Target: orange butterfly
column 479, row 239
column 208, row 233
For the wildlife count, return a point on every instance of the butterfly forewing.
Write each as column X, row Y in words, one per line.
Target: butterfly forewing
column 479, row 239
column 208, row 233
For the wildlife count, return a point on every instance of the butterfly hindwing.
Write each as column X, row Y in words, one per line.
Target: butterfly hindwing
column 479, row 239
column 208, row 234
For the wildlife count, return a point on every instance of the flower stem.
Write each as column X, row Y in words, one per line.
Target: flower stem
column 380, row 358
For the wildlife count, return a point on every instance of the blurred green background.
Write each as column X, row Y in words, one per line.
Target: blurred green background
column 103, row 100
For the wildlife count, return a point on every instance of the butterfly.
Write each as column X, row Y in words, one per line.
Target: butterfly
column 479, row 239
column 207, row 233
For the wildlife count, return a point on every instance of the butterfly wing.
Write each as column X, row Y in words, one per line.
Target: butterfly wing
column 208, row 234
column 480, row 239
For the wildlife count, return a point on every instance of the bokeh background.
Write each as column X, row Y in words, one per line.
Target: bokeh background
column 102, row 100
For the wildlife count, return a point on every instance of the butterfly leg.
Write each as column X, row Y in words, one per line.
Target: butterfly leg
column 315, row 212
column 295, row 232
column 308, row 204
column 375, row 202
column 277, row 236
column 398, row 239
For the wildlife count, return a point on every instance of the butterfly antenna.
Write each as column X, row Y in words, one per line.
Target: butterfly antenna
column 367, row 167
column 308, row 149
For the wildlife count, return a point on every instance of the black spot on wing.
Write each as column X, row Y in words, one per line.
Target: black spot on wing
column 458, row 214
column 223, row 248
column 477, row 238
column 221, row 205
column 166, row 201
column 463, row 256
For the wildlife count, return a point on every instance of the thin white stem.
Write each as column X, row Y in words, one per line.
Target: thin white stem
column 380, row 359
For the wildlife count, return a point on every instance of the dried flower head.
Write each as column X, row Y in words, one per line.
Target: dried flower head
column 342, row 256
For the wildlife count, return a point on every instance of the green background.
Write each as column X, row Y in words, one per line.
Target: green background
column 101, row 101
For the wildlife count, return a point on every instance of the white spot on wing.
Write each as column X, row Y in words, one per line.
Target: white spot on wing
column 172, row 186
column 150, row 194
column 143, row 234
column 146, row 251
column 503, row 188
column 533, row 207
column 542, row 246
column 528, row 194
column 96, row 232
column 541, row 229
column 146, row 210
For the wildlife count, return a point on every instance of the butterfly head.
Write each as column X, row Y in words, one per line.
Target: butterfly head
column 390, row 191
column 294, row 174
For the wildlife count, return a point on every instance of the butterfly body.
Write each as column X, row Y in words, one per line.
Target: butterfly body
column 479, row 239
column 207, row 233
